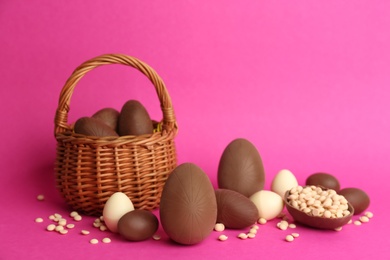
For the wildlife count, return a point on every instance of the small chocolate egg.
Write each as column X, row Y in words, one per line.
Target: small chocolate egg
column 269, row 204
column 357, row 198
column 188, row 206
column 241, row 168
column 283, row 181
column 325, row 180
column 115, row 207
column 109, row 116
column 138, row 225
column 235, row 210
column 134, row 119
column 93, row 127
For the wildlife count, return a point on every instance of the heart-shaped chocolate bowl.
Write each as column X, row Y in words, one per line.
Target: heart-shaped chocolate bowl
column 320, row 222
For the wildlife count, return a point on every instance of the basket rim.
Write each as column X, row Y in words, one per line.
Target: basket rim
column 146, row 140
column 168, row 122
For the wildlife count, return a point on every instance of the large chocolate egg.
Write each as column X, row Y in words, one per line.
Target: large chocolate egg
column 325, row 180
column 357, row 198
column 188, row 207
column 109, row 116
column 134, row 119
column 241, row 168
column 137, row 225
column 93, row 127
column 235, row 210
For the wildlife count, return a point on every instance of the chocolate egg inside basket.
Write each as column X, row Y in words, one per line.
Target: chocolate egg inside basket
column 90, row 169
column 317, row 220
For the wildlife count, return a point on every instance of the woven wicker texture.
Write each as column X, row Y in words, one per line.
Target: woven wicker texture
column 90, row 169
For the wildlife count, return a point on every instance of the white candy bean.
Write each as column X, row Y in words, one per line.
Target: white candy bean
column 222, row 237
column 289, row 238
column 219, row 227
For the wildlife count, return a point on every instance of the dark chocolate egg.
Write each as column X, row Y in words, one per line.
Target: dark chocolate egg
column 235, row 210
column 109, row 116
column 188, row 207
column 319, row 222
column 325, row 180
column 93, row 127
column 357, row 197
column 134, row 119
column 137, row 225
column 241, row 168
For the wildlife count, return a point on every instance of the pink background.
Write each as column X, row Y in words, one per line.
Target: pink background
column 307, row 82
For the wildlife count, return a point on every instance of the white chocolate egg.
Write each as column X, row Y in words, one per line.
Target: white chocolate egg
column 268, row 203
column 116, row 206
column 283, row 181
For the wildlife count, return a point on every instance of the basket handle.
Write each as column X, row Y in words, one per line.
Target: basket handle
column 61, row 117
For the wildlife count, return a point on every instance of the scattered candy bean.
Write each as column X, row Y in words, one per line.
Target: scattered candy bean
column 94, row 241
column 251, row 235
column 39, row 220
column 103, row 228
column 156, row 237
column 63, row 231
column 338, row 229
column 62, row 222
column 40, row 197
column 357, row 222
column 369, row 214
column 262, row 221
column 106, row 240
column 97, row 224
column 51, row 227
column 59, row 228
column 289, row 238
column 242, row 236
column 70, row 226
column 222, row 237
column 364, row 219
column 77, row 218
column 219, row 227
column 84, row 232
column 282, row 225
column 295, row 235
column 73, row 214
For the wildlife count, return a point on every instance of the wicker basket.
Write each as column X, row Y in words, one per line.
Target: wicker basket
column 90, row 169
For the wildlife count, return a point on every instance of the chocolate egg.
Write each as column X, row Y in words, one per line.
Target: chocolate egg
column 109, row 116
column 235, row 210
column 325, row 180
column 134, row 119
column 188, row 206
column 268, row 203
column 93, row 127
column 283, row 181
column 241, row 168
column 117, row 205
column 137, row 225
column 357, row 197
column 316, row 221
